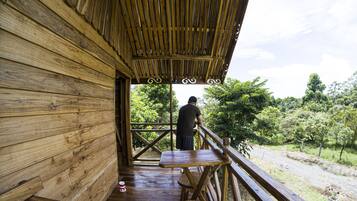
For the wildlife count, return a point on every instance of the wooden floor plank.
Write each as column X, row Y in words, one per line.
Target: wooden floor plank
column 148, row 183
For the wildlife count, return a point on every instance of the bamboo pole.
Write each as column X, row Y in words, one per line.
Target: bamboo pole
column 171, row 133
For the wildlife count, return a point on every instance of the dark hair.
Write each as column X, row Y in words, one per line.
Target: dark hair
column 192, row 99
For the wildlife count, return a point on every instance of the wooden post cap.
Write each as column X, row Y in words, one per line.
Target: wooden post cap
column 226, row 141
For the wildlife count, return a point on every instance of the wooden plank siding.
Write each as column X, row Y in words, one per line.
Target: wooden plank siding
column 57, row 122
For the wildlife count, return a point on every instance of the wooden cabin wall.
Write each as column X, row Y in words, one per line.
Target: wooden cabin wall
column 57, row 127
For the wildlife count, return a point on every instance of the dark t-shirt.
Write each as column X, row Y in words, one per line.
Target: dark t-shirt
column 186, row 119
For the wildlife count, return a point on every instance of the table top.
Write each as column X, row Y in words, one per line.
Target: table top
column 191, row 158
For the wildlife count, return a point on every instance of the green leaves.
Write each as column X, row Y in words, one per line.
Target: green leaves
column 232, row 107
column 315, row 89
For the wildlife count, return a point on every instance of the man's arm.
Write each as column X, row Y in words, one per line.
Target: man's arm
column 199, row 120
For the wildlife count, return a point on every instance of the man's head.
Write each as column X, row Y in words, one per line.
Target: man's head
column 192, row 100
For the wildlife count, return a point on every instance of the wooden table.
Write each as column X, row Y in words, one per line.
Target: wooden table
column 210, row 160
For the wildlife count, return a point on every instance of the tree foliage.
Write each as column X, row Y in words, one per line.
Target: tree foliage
column 315, row 89
column 158, row 96
column 344, row 93
column 232, row 107
column 267, row 125
column 151, row 104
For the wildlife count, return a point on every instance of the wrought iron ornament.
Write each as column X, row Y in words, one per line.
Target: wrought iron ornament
column 154, row 80
column 189, row 81
column 214, row 81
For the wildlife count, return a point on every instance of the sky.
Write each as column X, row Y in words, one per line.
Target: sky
column 284, row 41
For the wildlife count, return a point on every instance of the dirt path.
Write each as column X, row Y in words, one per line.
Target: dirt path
column 314, row 175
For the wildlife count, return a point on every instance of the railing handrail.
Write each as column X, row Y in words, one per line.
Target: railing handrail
column 278, row 190
column 148, row 124
column 254, row 179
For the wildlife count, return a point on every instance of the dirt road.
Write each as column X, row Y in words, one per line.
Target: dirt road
column 314, row 175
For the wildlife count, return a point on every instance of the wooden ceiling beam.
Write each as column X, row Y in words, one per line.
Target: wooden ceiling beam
column 177, row 57
column 215, row 37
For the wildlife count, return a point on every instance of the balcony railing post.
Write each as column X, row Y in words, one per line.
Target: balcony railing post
column 205, row 144
column 226, row 142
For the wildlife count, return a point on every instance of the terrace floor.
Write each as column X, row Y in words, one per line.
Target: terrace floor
column 148, row 183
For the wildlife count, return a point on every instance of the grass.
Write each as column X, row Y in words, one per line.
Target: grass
column 293, row 182
column 349, row 156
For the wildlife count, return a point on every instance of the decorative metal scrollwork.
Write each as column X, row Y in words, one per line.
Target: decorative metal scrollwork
column 154, row 80
column 236, row 32
column 214, row 81
column 189, row 81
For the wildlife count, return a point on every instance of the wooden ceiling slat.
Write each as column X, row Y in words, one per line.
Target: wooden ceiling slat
column 138, row 26
column 221, row 5
column 163, row 14
column 151, row 11
column 187, row 24
column 168, row 25
column 173, row 24
column 136, row 33
column 196, row 36
column 157, row 24
column 147, row 19
column 177, row 57
column 144, row 26
column 127, row 23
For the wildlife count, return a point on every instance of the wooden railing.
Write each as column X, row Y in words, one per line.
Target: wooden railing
column 163, row 130
column 240, row 173
column 258, row 183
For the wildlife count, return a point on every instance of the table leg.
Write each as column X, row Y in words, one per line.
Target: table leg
column 225, row 184
column 202, row 183
column 193, row 183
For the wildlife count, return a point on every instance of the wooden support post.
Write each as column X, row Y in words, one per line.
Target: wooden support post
column 171, row 132
column 218, row 186
column 226, row 142
column 129, row 137
column 235, row 187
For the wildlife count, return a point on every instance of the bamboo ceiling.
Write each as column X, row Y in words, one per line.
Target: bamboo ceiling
column 179, row 41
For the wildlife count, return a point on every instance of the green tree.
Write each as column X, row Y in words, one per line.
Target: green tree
column 347, row 115
column 267, row 124
column 344, row 136
column 314, row 91
column 344, row 93
column 159, row 97
column 150, row 104
column 293, row 126
column 142, row 109
column 232, row 107
column 317, row 126
column 288, row 103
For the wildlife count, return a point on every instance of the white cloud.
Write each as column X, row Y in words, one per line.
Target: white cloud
column 291, row 80
column 256, row 53
column 270, row 20
column 183, row 92
column 293, row 39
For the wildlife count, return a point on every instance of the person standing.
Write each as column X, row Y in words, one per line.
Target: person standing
column 188, row 115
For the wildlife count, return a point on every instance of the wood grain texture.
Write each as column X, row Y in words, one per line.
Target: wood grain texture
column 70, row 183
column 122, row 47
column 15, row 130
column 20, row 50
column 31, row 31
column 19, row 76
column 37, row 198
column 19, row 156
column 148, row 183
column 23, row 103
column 49, row 19
column 54, row 165
column 56, row 103
column 194, row 158
column 102, row 186
column 23, row 191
